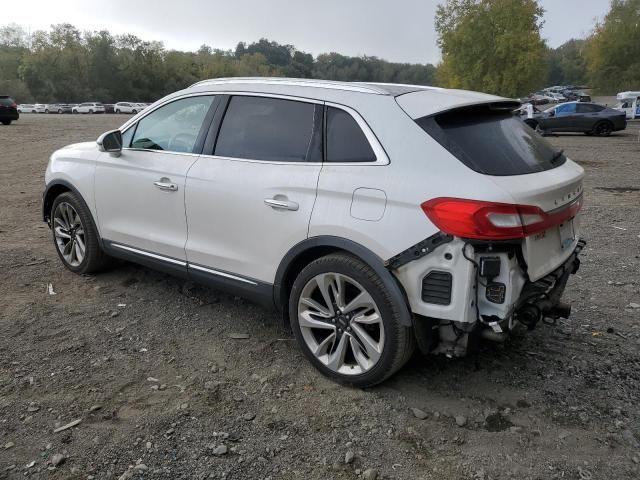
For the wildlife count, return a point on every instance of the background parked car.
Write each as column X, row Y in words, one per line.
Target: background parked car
column 8, row 110
column 58, row 108
column 127, row 107
column 89, row 107
column 39, row 108
column 25, row 108
column 589, row 118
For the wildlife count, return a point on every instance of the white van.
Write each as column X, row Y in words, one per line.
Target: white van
column 629, row 102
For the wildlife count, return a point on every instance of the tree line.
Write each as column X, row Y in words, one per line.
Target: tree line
column 493, row 46
column 496, row 46
column 67, row 65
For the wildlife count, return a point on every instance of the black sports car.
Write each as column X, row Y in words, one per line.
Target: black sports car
column 589, row 118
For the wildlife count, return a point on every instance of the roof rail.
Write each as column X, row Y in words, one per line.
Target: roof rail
column 298, row 82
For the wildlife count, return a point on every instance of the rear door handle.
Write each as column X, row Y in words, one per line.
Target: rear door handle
column 165, row 184
column 281, row 204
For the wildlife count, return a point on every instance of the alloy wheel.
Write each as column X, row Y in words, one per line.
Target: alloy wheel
column 341, row 323
column 69, row 234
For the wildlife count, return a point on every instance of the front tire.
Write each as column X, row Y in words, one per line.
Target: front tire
column 346, row 322
column 75, row 235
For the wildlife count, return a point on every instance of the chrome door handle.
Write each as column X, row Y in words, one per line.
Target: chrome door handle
column 162, row 185
column 281, row 204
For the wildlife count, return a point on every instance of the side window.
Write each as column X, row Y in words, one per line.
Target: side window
column 566, row 109
column 346, row 142
column 270, row 129
column 589, row 108
column 173, row 127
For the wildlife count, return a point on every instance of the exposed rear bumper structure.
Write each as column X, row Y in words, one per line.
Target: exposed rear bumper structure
column 541, row 299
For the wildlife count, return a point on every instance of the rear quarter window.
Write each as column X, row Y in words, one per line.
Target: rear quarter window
column 491, row 141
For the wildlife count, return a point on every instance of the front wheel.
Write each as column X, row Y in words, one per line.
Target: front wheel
column 346, row 322
column 90, row 111
column 134, row 111
column 75, row 235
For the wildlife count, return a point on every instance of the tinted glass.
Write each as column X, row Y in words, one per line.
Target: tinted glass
column 589, row 108
column 346, row 142
column 492, row 142
column 6, row 101
column 271, row 129
column 566, row 109
column 173, row 127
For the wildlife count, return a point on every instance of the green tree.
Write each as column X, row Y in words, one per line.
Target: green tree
column 491, row 45
column 613, row 50
column 567, row 64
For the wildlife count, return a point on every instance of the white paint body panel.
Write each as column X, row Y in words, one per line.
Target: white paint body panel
column 135, row 212
column 230, row 226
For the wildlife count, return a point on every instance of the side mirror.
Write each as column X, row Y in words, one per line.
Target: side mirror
column 110, row 142
column 552, row 113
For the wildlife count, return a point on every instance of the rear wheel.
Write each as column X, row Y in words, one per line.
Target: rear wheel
column 59, row 111
column 6, row 122
column 75, row 235
column 134, row 111
column 603, row 129
column 90, row 111
column 346, row 322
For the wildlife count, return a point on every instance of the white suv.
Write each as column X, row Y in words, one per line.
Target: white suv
column 90, row 107
column 127, row 107
column 375, row 217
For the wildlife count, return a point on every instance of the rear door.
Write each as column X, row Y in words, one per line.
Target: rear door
column 249, row 198
column 587, row 115
column 140, row 194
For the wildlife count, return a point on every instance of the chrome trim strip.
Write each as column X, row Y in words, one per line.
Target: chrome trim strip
column 221, row 274
column 150, row 255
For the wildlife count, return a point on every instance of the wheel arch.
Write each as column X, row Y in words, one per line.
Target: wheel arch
column 313, row 248
column 52, row 191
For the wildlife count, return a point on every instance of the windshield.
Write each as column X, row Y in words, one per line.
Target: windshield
column 493, row 142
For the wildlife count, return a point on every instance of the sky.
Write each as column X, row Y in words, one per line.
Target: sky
column 398, row 30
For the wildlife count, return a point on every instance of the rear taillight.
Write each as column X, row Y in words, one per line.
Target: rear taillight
column 494, row 221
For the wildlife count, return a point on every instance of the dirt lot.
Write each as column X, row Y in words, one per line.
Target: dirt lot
column 146, row 362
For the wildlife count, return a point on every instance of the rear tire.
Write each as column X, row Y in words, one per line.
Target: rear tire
column 90, row 111
column 603, row 128
column 6, row 122
column 356, row 343
column 75, row 235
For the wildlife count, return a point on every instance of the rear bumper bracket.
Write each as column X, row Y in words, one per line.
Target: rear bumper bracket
column 418, row 251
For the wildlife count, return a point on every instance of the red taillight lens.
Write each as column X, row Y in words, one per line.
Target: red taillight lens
column 493, row 221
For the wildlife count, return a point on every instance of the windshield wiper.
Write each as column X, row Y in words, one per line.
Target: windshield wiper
column 557, row 156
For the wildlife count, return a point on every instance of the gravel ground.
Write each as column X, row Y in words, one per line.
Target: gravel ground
column 145, row 366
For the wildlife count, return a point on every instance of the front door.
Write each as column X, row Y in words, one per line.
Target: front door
column 251, row 200
column 140, row 194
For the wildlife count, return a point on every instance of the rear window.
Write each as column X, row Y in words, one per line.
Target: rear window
column 6, row 101
column 492, row 141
